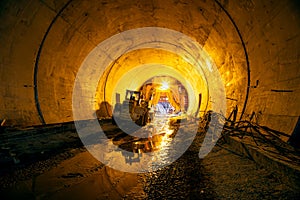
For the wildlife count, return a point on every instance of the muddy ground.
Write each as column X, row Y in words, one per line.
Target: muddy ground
column 66, row 170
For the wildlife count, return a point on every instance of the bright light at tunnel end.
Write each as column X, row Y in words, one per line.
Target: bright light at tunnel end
column 164, row 85
column 87, row 79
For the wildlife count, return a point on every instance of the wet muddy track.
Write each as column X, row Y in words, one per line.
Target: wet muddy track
column 221, row 175
column 186, row 178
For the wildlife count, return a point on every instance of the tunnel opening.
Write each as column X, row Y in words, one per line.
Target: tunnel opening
column 158, row 97
column 136, row 67
column 167, row 95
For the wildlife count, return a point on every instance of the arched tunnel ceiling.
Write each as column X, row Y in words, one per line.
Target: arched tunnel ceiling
column 136, row 67
column 47, row 41
column 88, row 17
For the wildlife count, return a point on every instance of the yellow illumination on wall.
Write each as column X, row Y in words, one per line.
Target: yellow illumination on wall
column 131, row 65
column 130, row 73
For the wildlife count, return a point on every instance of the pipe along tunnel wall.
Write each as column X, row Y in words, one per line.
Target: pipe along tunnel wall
column 254, row 45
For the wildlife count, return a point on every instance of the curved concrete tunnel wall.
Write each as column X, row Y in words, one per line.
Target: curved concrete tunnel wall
column 43, row 44
column 135, row 68
column 153, row 70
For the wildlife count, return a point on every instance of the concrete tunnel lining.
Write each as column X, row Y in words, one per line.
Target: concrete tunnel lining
column 44, row 44
column 151, row 63
column 46, row 89
column 111, row 49
column 211, row 27
column 162, row 71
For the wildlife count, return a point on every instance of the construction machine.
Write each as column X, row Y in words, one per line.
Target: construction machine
column 138, row 106
column 135, row 107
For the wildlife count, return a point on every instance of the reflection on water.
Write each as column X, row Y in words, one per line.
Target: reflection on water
column 160, row 134
column 168, row 137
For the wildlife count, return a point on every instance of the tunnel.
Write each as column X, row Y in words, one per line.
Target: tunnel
column 68, row 65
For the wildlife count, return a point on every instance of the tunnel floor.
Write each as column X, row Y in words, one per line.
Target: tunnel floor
column 73, row 173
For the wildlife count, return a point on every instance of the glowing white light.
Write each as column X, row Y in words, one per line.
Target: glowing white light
column 164, row 85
